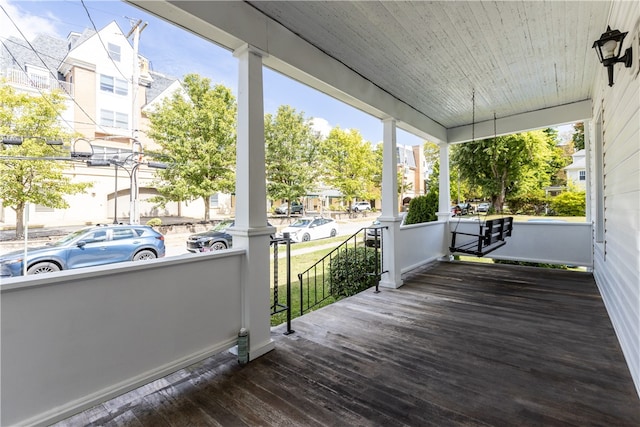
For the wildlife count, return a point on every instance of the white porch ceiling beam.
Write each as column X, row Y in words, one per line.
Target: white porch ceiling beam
column 233, row 24
column 540, row 119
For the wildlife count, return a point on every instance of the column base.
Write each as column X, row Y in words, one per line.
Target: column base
column 390, row 285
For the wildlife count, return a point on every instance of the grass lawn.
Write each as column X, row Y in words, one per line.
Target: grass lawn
column 299, row 263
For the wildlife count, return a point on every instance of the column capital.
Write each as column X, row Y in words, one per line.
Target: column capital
column 247, row 48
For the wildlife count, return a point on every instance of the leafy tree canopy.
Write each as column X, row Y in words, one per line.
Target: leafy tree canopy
column 578, row 136
column 40, row 182
column 508, row 165
column 197, row 137
column 291, row 154
column 349, row 163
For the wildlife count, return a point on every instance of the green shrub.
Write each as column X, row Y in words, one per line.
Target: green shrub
column 154, row 222
column 351, row 271
column 570, row 203
column 532, row 203
column 530, row 264
column 423, row 209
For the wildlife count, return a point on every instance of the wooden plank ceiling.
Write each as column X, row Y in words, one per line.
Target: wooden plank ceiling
column 518, row 56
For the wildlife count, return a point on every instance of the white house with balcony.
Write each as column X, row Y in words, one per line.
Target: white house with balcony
column 78, row 338
column 94, row 70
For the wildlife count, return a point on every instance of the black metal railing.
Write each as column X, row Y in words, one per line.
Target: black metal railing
column 315, row 282
column 278, row 306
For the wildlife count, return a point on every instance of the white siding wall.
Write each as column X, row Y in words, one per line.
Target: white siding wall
column 617, row 257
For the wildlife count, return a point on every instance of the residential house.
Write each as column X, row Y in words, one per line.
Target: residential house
column 108, row 104
column 577, row 170
column 413, row 170
column 413, row 65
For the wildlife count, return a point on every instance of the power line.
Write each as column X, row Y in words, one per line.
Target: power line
column 50, row 72
column 102, row 43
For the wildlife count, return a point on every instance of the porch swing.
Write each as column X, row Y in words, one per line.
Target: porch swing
column 492, row 233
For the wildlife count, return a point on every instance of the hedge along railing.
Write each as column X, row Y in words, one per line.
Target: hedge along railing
column 353, row 266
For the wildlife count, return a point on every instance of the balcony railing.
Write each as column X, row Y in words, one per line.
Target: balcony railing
column 39, row 82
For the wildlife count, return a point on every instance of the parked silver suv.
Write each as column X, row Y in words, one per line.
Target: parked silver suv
column 361, row 206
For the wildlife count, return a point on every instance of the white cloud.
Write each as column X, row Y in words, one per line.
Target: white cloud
column 321, row 125
column 29, row 25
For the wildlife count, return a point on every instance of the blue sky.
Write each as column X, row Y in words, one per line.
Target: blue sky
column 176, row 52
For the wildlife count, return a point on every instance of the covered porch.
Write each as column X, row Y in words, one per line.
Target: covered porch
column 458, row 344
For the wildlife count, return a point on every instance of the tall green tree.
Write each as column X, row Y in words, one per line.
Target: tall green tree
column 349, row 164
column 578, row 136
column 512, row 164
column 197, row 136
column 291, row 155
column 41, row 182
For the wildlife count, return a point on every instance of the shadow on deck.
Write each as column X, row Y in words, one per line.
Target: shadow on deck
column 459, row 344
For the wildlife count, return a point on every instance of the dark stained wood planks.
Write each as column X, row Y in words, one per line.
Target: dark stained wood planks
column 459, row 344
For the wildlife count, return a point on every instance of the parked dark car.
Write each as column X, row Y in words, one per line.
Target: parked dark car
column 87, row 247
column 374, row 235
column 296, row 208
column 465, row 208
column 215, row 239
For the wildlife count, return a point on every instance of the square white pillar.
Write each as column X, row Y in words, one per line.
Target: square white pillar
column 444, row 189
column 390, row 217
column 250, row 230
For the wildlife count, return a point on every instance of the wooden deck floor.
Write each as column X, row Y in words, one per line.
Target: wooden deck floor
column 459, row 344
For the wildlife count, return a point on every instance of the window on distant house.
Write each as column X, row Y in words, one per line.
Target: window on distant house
column 113, row 85
column 122, row 121
column 40, row 208
column 583, row 175
column 114, row 51
column 106, row 117
column 114, row 119
column 213, row 200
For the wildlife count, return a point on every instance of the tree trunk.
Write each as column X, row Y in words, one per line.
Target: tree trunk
column 19, row 221
column 206, row 208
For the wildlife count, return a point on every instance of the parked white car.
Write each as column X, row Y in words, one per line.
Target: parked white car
column 311, row 228
column 361, row 206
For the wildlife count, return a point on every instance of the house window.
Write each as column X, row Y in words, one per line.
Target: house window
column 114, row 51
column 114, row 119
column 213, row 200
column 113, row 85
column 122, row 121
column 583, row 175
column 106, row 117
column 40, row 208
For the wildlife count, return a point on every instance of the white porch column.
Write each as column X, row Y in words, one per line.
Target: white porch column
column 390, row 217
column 250, row 230
column 444, row 202
column 444, row 185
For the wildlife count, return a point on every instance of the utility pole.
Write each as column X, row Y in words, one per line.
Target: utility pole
column 136, row 29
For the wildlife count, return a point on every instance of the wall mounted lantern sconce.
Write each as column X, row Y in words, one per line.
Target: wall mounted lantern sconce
column 606, row 47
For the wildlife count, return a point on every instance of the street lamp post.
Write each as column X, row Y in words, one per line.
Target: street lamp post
column 115, row 194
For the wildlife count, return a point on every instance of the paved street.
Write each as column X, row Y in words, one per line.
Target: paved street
column 175, row 242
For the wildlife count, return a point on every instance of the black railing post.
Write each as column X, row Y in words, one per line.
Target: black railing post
column 288, row 239
column 377, row 247
column 275, row 278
